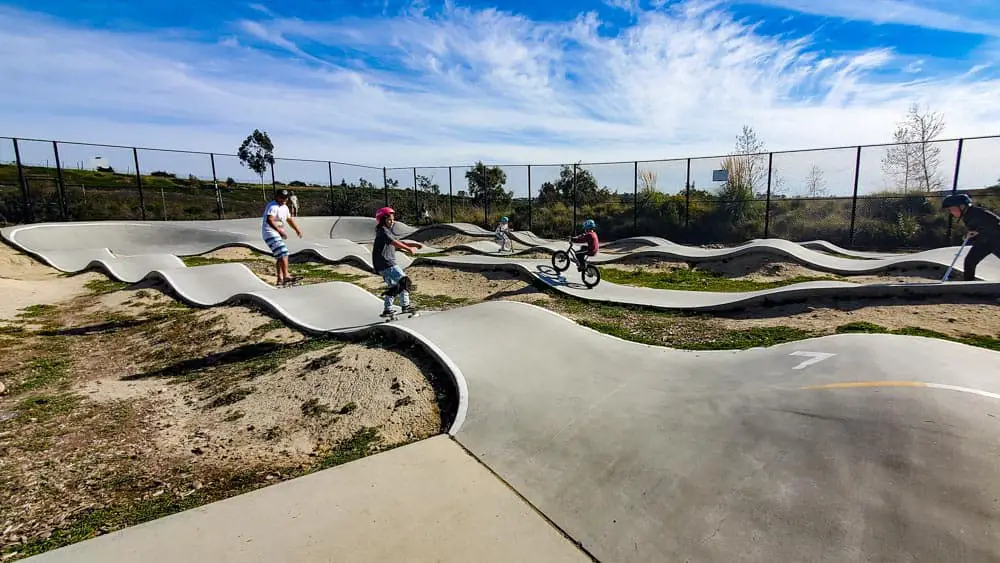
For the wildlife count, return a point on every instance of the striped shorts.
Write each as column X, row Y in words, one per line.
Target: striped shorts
column 277, row 246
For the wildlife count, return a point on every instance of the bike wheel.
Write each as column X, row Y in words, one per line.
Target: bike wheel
column 560, row 260
column 591, row 276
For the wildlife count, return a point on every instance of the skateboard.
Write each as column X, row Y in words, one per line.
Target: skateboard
column 394, row 315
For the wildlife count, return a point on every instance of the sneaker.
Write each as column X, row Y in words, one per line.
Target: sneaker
column 409, row 308
column 386, row 313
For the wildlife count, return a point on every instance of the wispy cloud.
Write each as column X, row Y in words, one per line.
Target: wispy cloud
column 631, row 6
column 919, row 13
column 463, row 84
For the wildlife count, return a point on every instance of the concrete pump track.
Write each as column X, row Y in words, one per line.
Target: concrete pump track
column 842, row 448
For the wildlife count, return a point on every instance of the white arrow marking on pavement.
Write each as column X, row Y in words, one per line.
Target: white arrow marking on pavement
column 814, row 357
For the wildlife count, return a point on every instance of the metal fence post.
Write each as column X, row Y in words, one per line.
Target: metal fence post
column 138, row 182
column 385, row 186
column 218, row 192
column 62, row 186
column 573, row 231
column 26, row 203
column 486, row 198
column 329, row 170
column 529, row 197
column 274, row 188
column 954, row 185
column 451, row 199
column 416, row 201
column 635, row 200
column 687, row 197
column 767, row 203
column 854, row 198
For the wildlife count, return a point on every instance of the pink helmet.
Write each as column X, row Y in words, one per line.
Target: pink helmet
column 382, row 213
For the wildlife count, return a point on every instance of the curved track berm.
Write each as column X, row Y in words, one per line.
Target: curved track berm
column 843, row 448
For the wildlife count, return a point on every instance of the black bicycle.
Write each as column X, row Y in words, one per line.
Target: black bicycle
column 561, row 259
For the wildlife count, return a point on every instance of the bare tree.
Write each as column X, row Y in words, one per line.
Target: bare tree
column 926, row 127
column 647, row 186
column 748, row 160
column 914, row 159
column 815, row 182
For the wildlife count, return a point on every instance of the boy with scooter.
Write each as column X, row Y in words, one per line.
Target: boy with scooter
column 984, row 231
column 384, row 262
column 589, row 236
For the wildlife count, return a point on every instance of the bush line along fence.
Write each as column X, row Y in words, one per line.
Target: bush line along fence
column 777, row 194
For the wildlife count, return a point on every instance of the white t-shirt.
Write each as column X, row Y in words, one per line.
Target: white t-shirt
column 280, row 214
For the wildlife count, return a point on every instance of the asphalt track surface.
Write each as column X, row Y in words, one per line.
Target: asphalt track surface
column 842, row 448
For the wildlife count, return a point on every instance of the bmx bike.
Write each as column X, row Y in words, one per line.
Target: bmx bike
column 561, row 259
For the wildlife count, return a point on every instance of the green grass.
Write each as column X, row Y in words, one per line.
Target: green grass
column 44, row 407
column 752, row 338
column 441, row 301
column 35, row 311
column 193, row 261
column 708, row 339
column 42, row 372
column 694, row 280
column 12, row 330
column 861, row 327
column 980, row 341
column 105, row 286
column 273, row 324
column 348, row 408
column 356, row 447
column 314, row 272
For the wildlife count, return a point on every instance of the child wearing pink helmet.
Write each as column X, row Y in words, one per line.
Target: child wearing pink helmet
column 384, row 262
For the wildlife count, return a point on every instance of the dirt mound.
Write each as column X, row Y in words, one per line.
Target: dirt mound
column 131, row 405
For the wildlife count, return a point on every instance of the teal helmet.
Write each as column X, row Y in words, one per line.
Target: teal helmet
column 504, row 219
column 955, row 200
column 589, row 224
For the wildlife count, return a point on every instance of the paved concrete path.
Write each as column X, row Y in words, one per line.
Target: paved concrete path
column 429, row 501
column 570, row 283
column 843, row 448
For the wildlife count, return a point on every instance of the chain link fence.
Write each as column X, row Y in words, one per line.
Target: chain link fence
column 877, row 197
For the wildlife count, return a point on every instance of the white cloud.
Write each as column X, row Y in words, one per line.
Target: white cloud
column 631, row 6
column 906, row 12
column 261, row 8
column 468, row 84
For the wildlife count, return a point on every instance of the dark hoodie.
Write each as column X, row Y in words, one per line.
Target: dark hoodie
column 984, row 222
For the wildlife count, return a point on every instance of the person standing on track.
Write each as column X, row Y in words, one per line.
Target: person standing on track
column 384, row 262
column 984, row 231
column 273, row 231
column 294, row 201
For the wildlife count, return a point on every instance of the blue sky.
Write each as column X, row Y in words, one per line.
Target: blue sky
column 391, row 82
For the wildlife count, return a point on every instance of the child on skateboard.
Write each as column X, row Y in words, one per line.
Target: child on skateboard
column 384, row 262
column 984, row 231
column 272, row 229
column 589, row 236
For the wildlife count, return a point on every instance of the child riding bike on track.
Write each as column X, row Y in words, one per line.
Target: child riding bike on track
column 589, row 236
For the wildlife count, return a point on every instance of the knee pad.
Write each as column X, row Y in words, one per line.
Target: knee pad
column 405, row 284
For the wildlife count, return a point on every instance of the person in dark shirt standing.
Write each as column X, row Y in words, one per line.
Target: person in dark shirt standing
column 384, row 262
column 984, row 231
